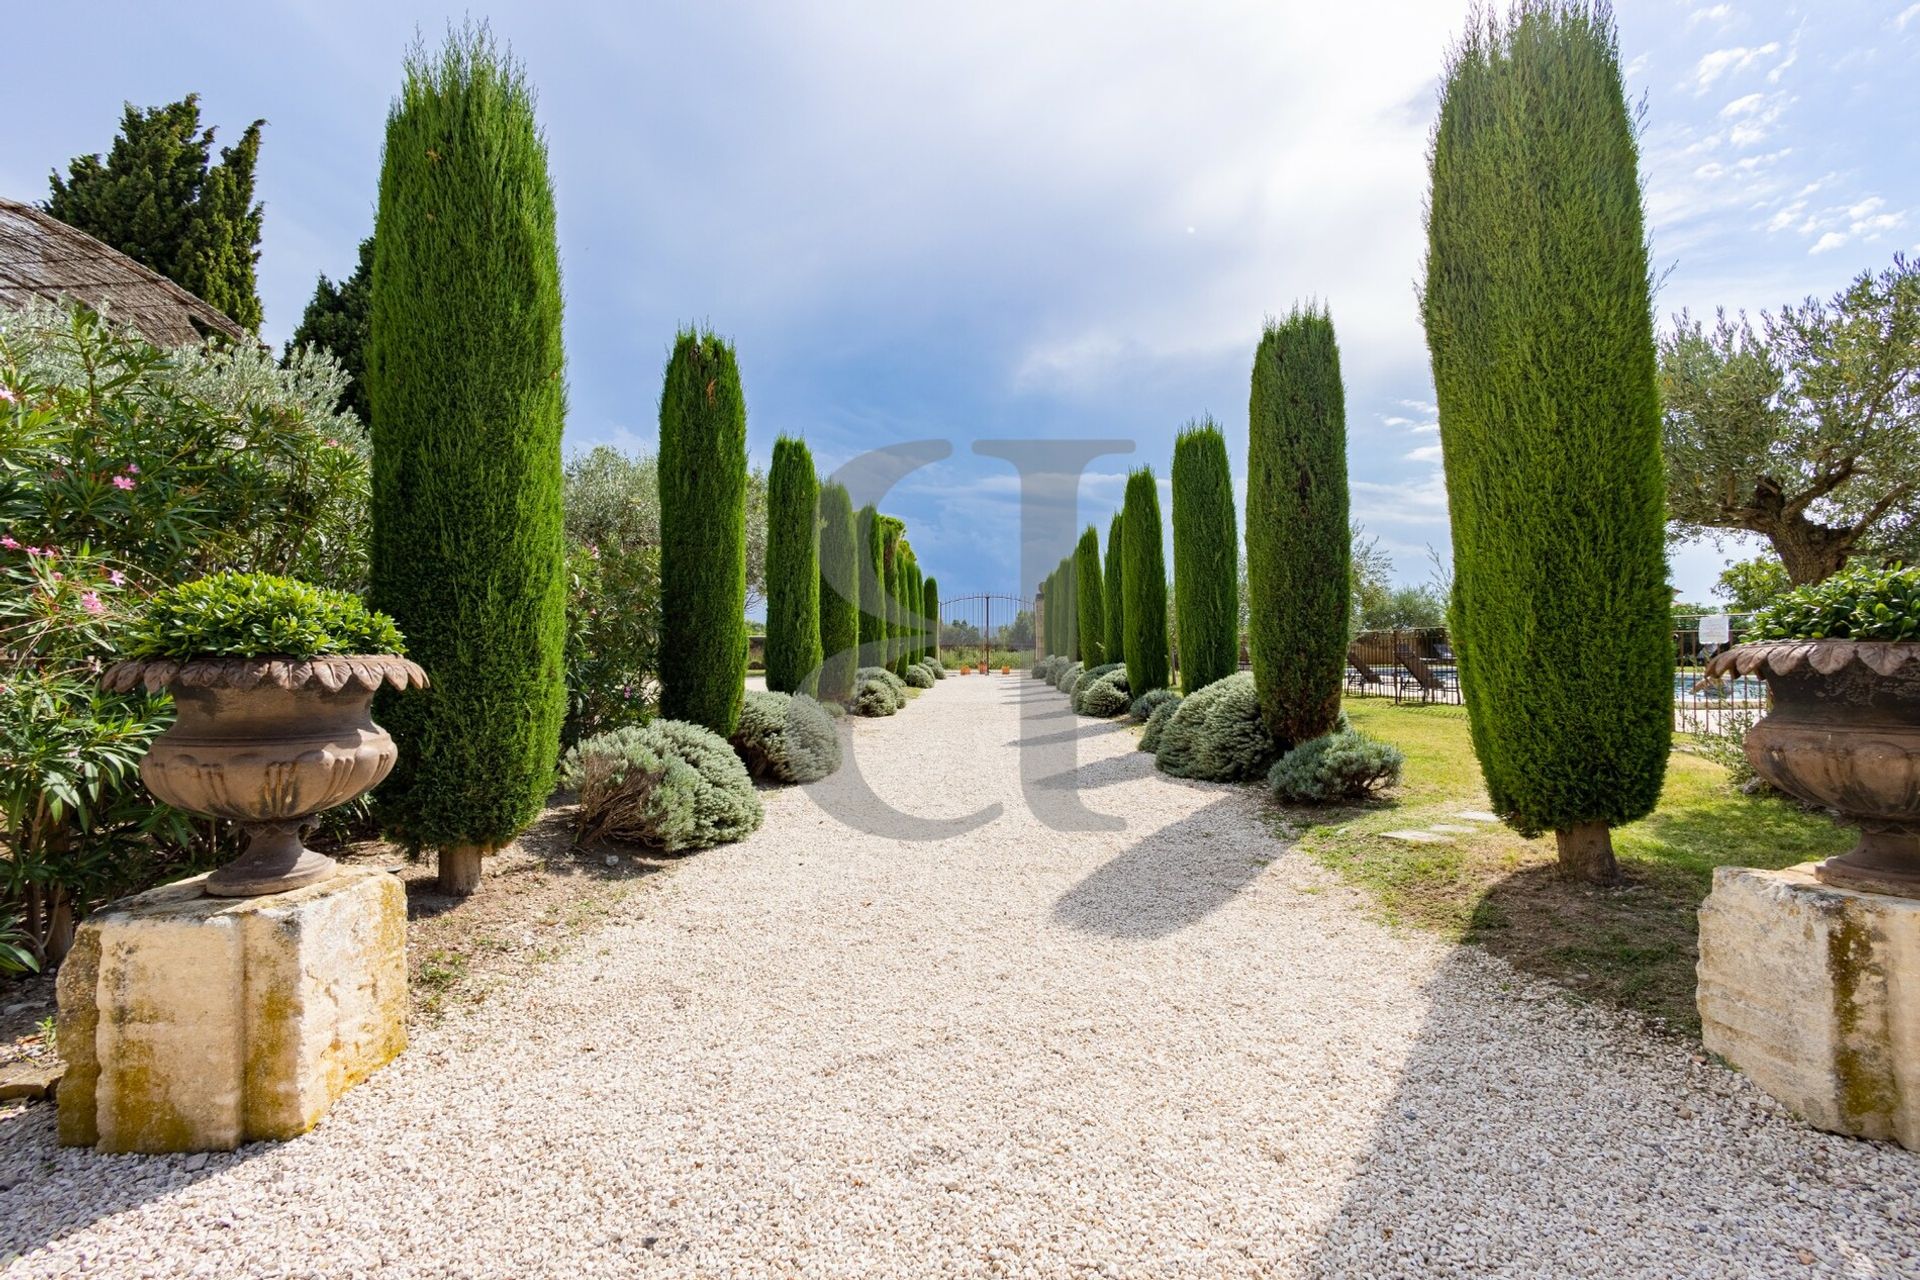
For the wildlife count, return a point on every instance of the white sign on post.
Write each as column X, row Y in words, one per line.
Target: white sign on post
column 1716, row 629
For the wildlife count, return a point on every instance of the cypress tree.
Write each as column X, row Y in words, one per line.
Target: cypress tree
column 871, row 539
column 1299, row 543
column 890, row 530
column 464, row 371
column 839, row 593
column 793, row 569
column 1090, row 612
column 1538, row 316
column 1206, row 565
column 338, row 320
column 930, row 604
column 1144, row 571
column 156, row 197
column 1115, row 583
column 703, row 534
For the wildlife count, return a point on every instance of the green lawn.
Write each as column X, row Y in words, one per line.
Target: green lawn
column 1632, row 947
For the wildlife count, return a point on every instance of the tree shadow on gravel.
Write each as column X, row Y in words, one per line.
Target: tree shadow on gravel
column 1175, row 877
column 1093, row 729
column 1520, row 1137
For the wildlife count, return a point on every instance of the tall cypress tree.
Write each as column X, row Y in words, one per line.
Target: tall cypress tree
column 703, row 534
column 338, row 320
column 156, row 197
column 1114, row 581
column 839, row 593
column 1298, row 540
column 465, row 373
column 1090, row 607
column 1539, row 323
column 930, row 602
column 1145, row 574
column 793, row 569
column 890, row 530
column 871, row 539
column 1206, row 567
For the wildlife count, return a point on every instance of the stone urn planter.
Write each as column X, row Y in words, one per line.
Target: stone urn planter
column 269, row 743
column 1844, row 733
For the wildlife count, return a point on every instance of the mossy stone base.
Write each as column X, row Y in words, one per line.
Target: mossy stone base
column 1814, row 992
column 192, row 1023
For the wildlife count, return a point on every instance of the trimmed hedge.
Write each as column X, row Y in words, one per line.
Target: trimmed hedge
column 1069, row 675
column 786, row 738
column 919, row 676
column 1114, row 580
column 1218, row 734
column 1206, row 568
column 1344, row 765
column 874, row 697
column 1157, row 722
column 1088, row 677
column 1090, row 598
column 793, row 569
column 668, row 784
column 1145, row 573
column 1299, row 543
column 1144, row 706
column 839, row 593
column 466, row 376
column 703, row 535
column 1106, row 697
column 1539, row 320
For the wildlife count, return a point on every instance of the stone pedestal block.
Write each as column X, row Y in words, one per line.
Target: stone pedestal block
column 192, row 1023
column 1814, row 992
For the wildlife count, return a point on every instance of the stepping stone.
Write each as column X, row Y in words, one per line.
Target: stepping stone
column 1418, row 837
column 1453, row 829
column 1477, row 815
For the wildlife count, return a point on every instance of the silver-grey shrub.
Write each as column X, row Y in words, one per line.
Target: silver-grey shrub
column 1218, row 734
column 1147, row 703
column 667, row 784
column 1343, row 765
column 1157, row 721
column 1106, row 697
column 786, row 738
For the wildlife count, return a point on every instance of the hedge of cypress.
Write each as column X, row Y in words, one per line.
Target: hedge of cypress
column 465, row 375
column 839, row 593
column 703, row 535
column 793, row 569
column 930, row 603
column 1090, row 609
column 1144, row 571
column 1539, row 324
column 870, row 537
column 1206, row 567
column 1115, row 583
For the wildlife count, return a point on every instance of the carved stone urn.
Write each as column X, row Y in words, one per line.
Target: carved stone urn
column 1844, row 733
column 268, row 743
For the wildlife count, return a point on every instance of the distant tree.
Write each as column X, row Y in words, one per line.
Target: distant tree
column 1114, row 580
column 870, row 538
column 1751, row 584
column 1017, row 634
column 703, row 514
column 1805, row 430
column 1206, row 543
column 930, row 610
column 1299, row 543
column 465, row 370
column 1538, row 317
column 338, row 320
column 839, row 593
column 1144, row 570
column 793, row 569
column 1090, row 603
column 890, row 564
column 1404, row 607
column 156, row 197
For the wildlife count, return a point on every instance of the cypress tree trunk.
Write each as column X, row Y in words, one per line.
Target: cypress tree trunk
column 930, row 603
column 1539, row 323
column 1206, row 569
column 1298, row 540
column 703, row 535
column 1090, row 608
column 793, row 569
column 1115, row 583
column 1144, row 570
column 871, row 540
column 839, row 593
column 465, row 374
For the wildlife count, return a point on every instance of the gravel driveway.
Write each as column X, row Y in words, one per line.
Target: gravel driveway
column 934, row 1044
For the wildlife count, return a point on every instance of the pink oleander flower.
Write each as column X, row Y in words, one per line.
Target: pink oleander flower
column 122, row 482
column 8, row 542
column 116, row 577
column 6, row 393
column 90, row 601
column 132, row 468
column 332, row 443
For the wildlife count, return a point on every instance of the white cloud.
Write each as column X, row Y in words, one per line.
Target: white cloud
column 1425, row 453
column 1712, row 13
column 1829, row 241
column 1743, row 106
column 1906, row 17
column 1723, row 62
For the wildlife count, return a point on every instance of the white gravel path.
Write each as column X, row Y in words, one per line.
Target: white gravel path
column 1172, row 1049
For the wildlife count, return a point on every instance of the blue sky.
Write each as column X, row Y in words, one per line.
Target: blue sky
column 1012, row 220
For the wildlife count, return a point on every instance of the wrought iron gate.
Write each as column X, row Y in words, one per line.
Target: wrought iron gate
column 992, row 628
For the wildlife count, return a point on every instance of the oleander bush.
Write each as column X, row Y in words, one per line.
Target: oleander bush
column 1068, row 675
column 873, row 696
column 1218, row 734
column 1343, row 765
column 786, row 738
column 1106, row 697
column 1163, row 712
column 1147, row 703
column 667, row 784
column 1088, row 677
column 919, row 676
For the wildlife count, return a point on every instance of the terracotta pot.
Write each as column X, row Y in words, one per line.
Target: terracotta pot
column 268, row 743
column 1844, row 733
